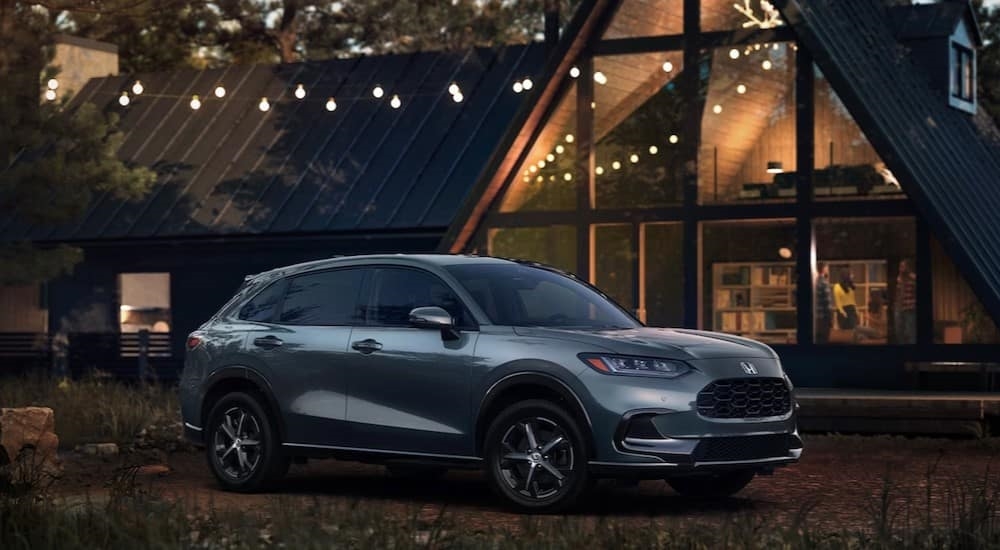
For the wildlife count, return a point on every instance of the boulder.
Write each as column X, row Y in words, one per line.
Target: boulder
column 28, row 444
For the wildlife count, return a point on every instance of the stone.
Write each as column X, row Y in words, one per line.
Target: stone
column 28, row 443
column 158, row 470
column 99, row 449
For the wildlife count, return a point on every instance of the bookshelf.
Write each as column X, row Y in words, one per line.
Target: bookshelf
column 755, row 299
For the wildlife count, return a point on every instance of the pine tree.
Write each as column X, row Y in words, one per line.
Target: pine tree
column 53, row 159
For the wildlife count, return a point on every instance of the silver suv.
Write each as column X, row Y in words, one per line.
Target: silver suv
column 430, row 362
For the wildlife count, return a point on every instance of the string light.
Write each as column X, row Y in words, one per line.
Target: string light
column 616, row 165
column 717, row 109
column 195, row 103
column 569, row 138
column 137, row 88
column 600, row 78
column 653, row 149
column 634, row 158
column 53, row 84
column 766, row 64
column 300, row 91
column 567, row 176
column 457, row 98
column 533, row 168
column 220, row 92
column 395, row 102
column 550, row 157
column 518, row 87
column 378, row 92
column 668, row 67
column 527, row 84
column 574, row 72
column 123, row 99
column 454, row 89
column 560, row 149
column 741, row 89
column 673, row 138
column 50, row 95
column 734, row 54
column 264, row 105
column 541, row 164
column 331, row 105
column 599, row 170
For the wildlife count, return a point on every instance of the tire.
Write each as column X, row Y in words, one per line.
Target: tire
column 718, row 485
column 237, row 464
column 524, row 476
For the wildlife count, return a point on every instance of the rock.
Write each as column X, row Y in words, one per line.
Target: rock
column 159, row 470
column 99, row 449
column 28, row 443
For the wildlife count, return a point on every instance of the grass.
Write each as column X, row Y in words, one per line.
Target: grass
column 93, row 409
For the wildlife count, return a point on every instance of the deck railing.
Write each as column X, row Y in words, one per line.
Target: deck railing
column 127, row 355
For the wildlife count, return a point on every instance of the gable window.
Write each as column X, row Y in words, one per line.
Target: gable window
column 963, row 77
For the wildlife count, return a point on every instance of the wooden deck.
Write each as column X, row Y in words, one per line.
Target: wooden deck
column 908, row 412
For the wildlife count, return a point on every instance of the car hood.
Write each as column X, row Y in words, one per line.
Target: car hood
column 668, row 343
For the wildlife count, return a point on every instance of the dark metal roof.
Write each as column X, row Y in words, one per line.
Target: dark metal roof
column 950, row 166
column 932, row 20
column 229, row 168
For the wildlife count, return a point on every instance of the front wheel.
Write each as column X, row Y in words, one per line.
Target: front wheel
column 713, row 485
column 242, row 444
column 536, row 456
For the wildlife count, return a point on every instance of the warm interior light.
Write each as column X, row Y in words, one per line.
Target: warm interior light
column 567, row 176
column 785, row 252
column 527, row 84
column 767, row 65
column 569, row 138
column 599, row 170
column 774, row 167
column 454, row 89
column 668, row 67
column 633, row 158
column 50, row 95
column 395, row 102
column 734, row 54
column 717, row 108
column 550, row 157
column 560, row 149
column 53, row 84
column 653, row 149
column 741, row 89
column 574, row 72
column 378, row 92
column 457, row 98
column 600, row 78
column 673, row 138
column 518, row 88
column 616, row 165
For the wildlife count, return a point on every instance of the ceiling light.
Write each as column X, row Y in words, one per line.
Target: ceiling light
column 775, row 167
column 653, row 149
column 673, row 138
column 616, row 165
column 599, row 170
column 331, row 104
column 741, row 89
column 766, row 64
column 734, row 54
column 634, row 158
column 567, row 176
column 378, row 92
column 50, row 95
column 53, row 84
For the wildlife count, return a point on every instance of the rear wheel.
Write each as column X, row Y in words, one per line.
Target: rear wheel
column 712, row 485
column 242, row 448
column 536, row 457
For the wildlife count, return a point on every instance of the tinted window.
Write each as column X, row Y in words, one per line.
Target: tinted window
column 263, row 305
column 519, row 295
column 323, row 298
column 398, row 291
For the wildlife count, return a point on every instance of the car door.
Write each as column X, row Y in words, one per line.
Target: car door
column 305, row 350
column 408, row 387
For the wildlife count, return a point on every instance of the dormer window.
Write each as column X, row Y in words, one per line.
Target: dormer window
column 963, row 73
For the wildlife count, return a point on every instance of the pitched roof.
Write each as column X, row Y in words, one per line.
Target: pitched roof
column 950, row 162
column 229, row 168
column 932, row 20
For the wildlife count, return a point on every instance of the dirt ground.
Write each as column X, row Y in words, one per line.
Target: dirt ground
column 838, row 482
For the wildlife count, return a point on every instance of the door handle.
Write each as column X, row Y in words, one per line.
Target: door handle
column 367, row 345
column 267, row 342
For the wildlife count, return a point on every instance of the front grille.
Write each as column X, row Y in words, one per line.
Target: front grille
column 722, row 449
column 745, row 398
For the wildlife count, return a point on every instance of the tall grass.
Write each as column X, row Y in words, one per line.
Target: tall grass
column 93, row 409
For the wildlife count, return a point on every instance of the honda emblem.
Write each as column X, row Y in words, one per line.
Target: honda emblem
column 748, row 367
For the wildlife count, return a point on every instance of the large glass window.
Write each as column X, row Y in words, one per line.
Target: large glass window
column 638, row 113
column 865, row 283
column 612, row 266
column 747, row 149
column 554, row 245
column 323, row 298
column 846, row 164
column 145, row 302
column 661, row 279
column 959, row 316
column 647, row 18
column 748, row 279
column 547, row 178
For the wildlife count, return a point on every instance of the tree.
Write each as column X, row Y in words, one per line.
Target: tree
column 988, row 60
column 52, row 159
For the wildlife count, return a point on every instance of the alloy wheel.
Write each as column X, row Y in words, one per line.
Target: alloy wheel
column 237, row 443
column 537, row 458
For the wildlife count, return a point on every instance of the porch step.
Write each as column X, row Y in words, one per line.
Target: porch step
column 898, row 412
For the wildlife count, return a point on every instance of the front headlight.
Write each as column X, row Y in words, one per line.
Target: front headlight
column 636, row 366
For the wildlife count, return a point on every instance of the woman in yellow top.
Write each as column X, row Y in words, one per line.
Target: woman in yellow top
column 844, row 301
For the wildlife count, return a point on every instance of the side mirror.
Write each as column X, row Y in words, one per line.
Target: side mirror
column 435, row 318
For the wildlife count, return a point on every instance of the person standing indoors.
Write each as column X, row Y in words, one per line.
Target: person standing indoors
column 905, row 304
column 844, row 300
column 824, row 304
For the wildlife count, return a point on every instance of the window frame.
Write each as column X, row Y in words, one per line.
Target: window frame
column 963, row 73
column 368, row 292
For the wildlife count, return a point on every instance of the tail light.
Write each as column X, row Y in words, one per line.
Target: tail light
column 193, row 341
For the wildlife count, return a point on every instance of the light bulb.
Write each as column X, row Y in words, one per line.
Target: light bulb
column 395, row 102
column 550, row 157
column 616, row 165
column 527, row 84
column 653, row 149
column 569, row 138
column 668, row 67
column 574, row 72
column 526, row 179
column 457, row 98
column 600, row 78
column 518, row 88
column 766, row 65
column 137, row 88
column 123, row 99
column 533, row 169
column 673, row 138
column 331, row 104
column 567, row 176
column 741, row 89
column 634, row 158
column 50, row 95
column 53, row 84
column 220, row 92
column 195, row 103
column 734, row 54
column 717, row 108
column 599, row 170
column 541, row 164
column 560, row 149
column 264, row 105
column 378, row 92
column 539, row 179
column 454, row 89
column 300, row 91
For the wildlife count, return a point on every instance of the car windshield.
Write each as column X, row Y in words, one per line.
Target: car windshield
column 522, row 295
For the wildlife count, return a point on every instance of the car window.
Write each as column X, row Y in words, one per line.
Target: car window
column 262, row 307
column 524, row 295
column 323, row 298
column 398, row 291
